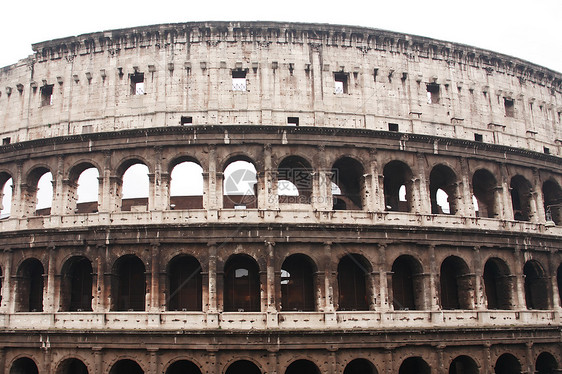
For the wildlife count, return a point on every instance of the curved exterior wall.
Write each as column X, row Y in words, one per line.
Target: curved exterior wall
column 386, row 278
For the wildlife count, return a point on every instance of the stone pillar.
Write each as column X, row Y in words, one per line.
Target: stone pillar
column 271, row 304
column 530, row 362
column 214, row 186
column 330, row 287
column 206, row 200
column 266, row 198
column 272, row 362
column 433, row 277
column 389, row 361
column 100, row 304
column 212, row 278
column 107, row 184
column 553, row 281
column 504, row 207
column 153, row 363
column 212, row 362
column 49, row 294
column 18, row 195
column 2, row 360
column 539, row 214
column 154, row 302
column 98, row 360
column 421, row 202
column 466, row 207
column 70, row 198
column 58, row 203
column 164, row 190
column 385, row 292
column 333, row 368
column 441, row 369
column 487, row 364
column 479, row 298
column 7, row 298
column 519, row 286
column 155, row 201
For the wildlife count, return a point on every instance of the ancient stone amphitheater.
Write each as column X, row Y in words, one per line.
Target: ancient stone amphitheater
column 306, row 199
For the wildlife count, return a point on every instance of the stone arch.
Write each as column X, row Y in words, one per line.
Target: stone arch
column 76, row 285
column 184, row 284
column 186, row 183
column 24, row 365
column 126, row 366
column 360, row 366
column 6, row 193
column 298, row 283
column 546, row 364
column 443, row 181
column 79, row 200
column 397, row 178
column 30, row 284
column 456, row 286
column 463, row 365
column 294, row 180
column 408, row 291
column 302, row 366
column 484, row 189
column 128, row 284
column 498, row 284
column 414, row 365
column 243, row 367
column 182, row 367
column 38, row 203
column 536, row 285
column 507, row 364
column 240, row 183
column 354, row 292
column 347, row 174
column 134, row 185
column 552, row 195
column 72, row 366
column 241, row 284
column 521, row 190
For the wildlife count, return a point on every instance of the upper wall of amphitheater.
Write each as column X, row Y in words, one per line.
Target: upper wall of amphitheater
column 318, row 75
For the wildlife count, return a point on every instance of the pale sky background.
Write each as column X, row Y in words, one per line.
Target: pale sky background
column 530, row 30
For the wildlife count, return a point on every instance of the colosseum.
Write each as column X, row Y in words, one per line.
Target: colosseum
column 280, row 198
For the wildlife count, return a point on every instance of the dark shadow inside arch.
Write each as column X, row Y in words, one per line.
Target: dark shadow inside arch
column 398, row 187
column 128, row 284
column 552, row 194
column 414, row 365
column 347, row 174
column 536, row 286
column 498, row 284
column 484, row 187
column 241, row 285
column 463, row 365
column 407, row 284
column 353, row 271
column 183, row 367
column 301, row 367
column 24, row 365
column 76, row 285
column 442, row 178
column 185, row 284
column 360, row 366
column 243, row 367
column 294, row 181
column 30, row 286
column 72, row 366
column 507, row 364
column 456, row 286
column 298, row 279
column 546, row 364
column 126, row 367
column 521, row 190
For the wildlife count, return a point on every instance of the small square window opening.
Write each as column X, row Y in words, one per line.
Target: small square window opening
column 6, row 141
column 546, row 150
column 137, row 84
column 509, row 107
column 393, row 127
column 238, row 80
column 47, row 95
column 186, row 120
column 292, row 121
column 340, row 83
column 478, row 137
column 432, row 93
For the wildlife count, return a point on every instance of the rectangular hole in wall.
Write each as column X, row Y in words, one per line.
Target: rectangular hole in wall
column 546, row 150
column 6, row 140
column 478, row 137
column 509, row 107
column 432, row 93
column 186, row 120
column 47, row 95
column 392, row 127
column 292, row 121
column 137, row 84
column 340, row 83
column 238, row 80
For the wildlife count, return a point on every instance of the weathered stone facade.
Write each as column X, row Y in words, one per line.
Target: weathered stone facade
column 364, row 269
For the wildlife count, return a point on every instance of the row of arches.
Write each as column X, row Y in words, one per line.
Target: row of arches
column 507, row 363
column 295, row 184
column 298, row 282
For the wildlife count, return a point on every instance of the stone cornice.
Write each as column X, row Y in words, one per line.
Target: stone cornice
column 266, row 33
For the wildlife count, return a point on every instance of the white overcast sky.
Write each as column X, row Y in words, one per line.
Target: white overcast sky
column 530, row 30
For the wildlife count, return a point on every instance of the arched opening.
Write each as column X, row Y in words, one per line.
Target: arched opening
column 407, row 286
column 183, row 367
column 128, row 284
column 186, row 186
column 185, row 284
column 457, row 290
column 30, row 286
column 353, row 271
column 297, row 284
column 552, row 195
column 521, row 190
column 360, row 366
column 24, row 365
column 243, row 367
column 414, row 365
column 240, row 185
column 241, row 285
column 546, row 364
column 6, row 195
column 44, row 194
column 397, row 177
column 76, row 285
column 87, row 185
column 135, row 187
column 126, row 367
column 72, row 366
column 463, row 365
column 294, row 181
column 347, row 174
column 443, row 190
column 497, row 284
column 507, row 364
column 559, row 282
column 484, row 186
column 536, row 285
column 302, row 366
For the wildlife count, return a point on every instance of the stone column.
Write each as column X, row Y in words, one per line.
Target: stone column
column 529, row 358
column 271, row 304
column 385, row 292
column 329, row 280
column 519, row 286
column 553, row 280
column 7, row 298
column 441, row 369
column 487, row 364
column 266, row 198
column 206, row 200
column 433, row 277
column 58, row 203
column 155, row 201
column 70, row 197
column 466, row 207
column 165, row 180
column 50, row 293
column 98, row 360
column 504, row 207
column 18, row 195
column 100, row 295
column 421, row 202
column 539, row 214
column 212, row 278
column 479, row 299
column 154, row 302
column 214, row 186
column 153, row 365
column 272, row 361
column 389, row 361
column 107, row 194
